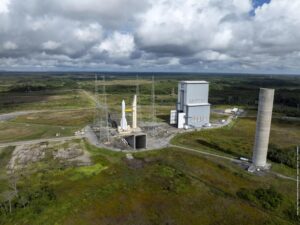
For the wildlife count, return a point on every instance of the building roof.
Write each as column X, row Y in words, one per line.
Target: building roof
column 194, row 82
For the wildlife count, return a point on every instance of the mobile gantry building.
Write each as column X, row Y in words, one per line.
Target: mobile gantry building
column 193, row 109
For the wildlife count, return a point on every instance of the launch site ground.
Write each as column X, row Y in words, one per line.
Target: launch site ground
column 49, row 175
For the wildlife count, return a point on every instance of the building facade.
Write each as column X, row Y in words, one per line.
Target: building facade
column 193, row 109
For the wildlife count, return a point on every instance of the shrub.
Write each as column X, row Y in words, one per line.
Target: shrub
column 268, row 198
column 284, row 156
column 291, row 213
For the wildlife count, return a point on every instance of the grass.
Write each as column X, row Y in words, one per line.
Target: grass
column 169, row 183
column 171, row 186
column 58, row 118
column 5, row 155
column 214, row 117
column 237, row 139
column 87, row 171
column 43, row 100
column 11, row 132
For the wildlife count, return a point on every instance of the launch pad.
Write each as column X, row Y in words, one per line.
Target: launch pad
column 137, row 141
column 120, row 135
column 151, row 136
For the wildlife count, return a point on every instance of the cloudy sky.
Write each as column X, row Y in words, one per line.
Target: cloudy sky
column 151, row 35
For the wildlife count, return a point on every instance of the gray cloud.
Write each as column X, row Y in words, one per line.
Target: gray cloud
column 176, row 35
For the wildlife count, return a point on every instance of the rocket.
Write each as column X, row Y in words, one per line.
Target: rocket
column 123, row 122
column 134, row 112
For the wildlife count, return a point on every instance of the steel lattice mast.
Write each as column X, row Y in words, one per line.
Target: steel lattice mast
column 153, row 105
column 105, row 109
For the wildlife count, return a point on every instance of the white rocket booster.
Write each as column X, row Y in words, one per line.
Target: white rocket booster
column 134, row 112
column 123, row 122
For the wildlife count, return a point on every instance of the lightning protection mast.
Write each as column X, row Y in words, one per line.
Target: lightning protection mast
column 297, row 181
column 105, row 109
column 137, row 95
column 153, row 106
column 97, row 120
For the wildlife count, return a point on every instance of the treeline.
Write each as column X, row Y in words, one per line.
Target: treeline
column 42, row 85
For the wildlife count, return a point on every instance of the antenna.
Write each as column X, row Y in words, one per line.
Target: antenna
column 153, row 105
column 105, row 109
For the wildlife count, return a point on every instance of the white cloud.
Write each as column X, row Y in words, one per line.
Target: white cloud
column 277, row 26
column 50, row 45
column 192, row 24
column 118, row 45
column 92, row 32
column 4, row 6
column 209, row 55
column 147, row 34
column 10, row 45
column 242, row 5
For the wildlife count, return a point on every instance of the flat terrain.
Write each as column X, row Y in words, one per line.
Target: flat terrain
column 41, row 100
column 165, row 186
column 156, row 187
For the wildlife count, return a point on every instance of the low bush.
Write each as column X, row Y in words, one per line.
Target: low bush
column 268, row 198
column 284, row 156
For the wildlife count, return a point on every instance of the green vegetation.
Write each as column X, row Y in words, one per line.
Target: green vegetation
column 43, row 100
column 283, row 156
column 168, row 186
column 5, row 155
column 58, row 118
column 268, row 198
column 87, row 171
column 160, row 191
column 30, row 199
column 11, row 132
column 235, row 139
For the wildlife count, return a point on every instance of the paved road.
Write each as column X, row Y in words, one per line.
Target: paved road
column 17, row 143
column 230, row 159
column 91, row 137
column 205, row 153
column 282, row 176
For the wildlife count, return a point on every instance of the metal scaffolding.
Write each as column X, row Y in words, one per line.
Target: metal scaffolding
column 153, row 106
column 105, row 107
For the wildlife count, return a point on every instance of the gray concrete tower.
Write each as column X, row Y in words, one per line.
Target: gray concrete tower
column 263, row 126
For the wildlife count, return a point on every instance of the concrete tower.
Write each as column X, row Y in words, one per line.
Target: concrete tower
column 263, row 126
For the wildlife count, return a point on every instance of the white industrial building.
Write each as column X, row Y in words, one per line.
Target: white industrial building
column 193, row 109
